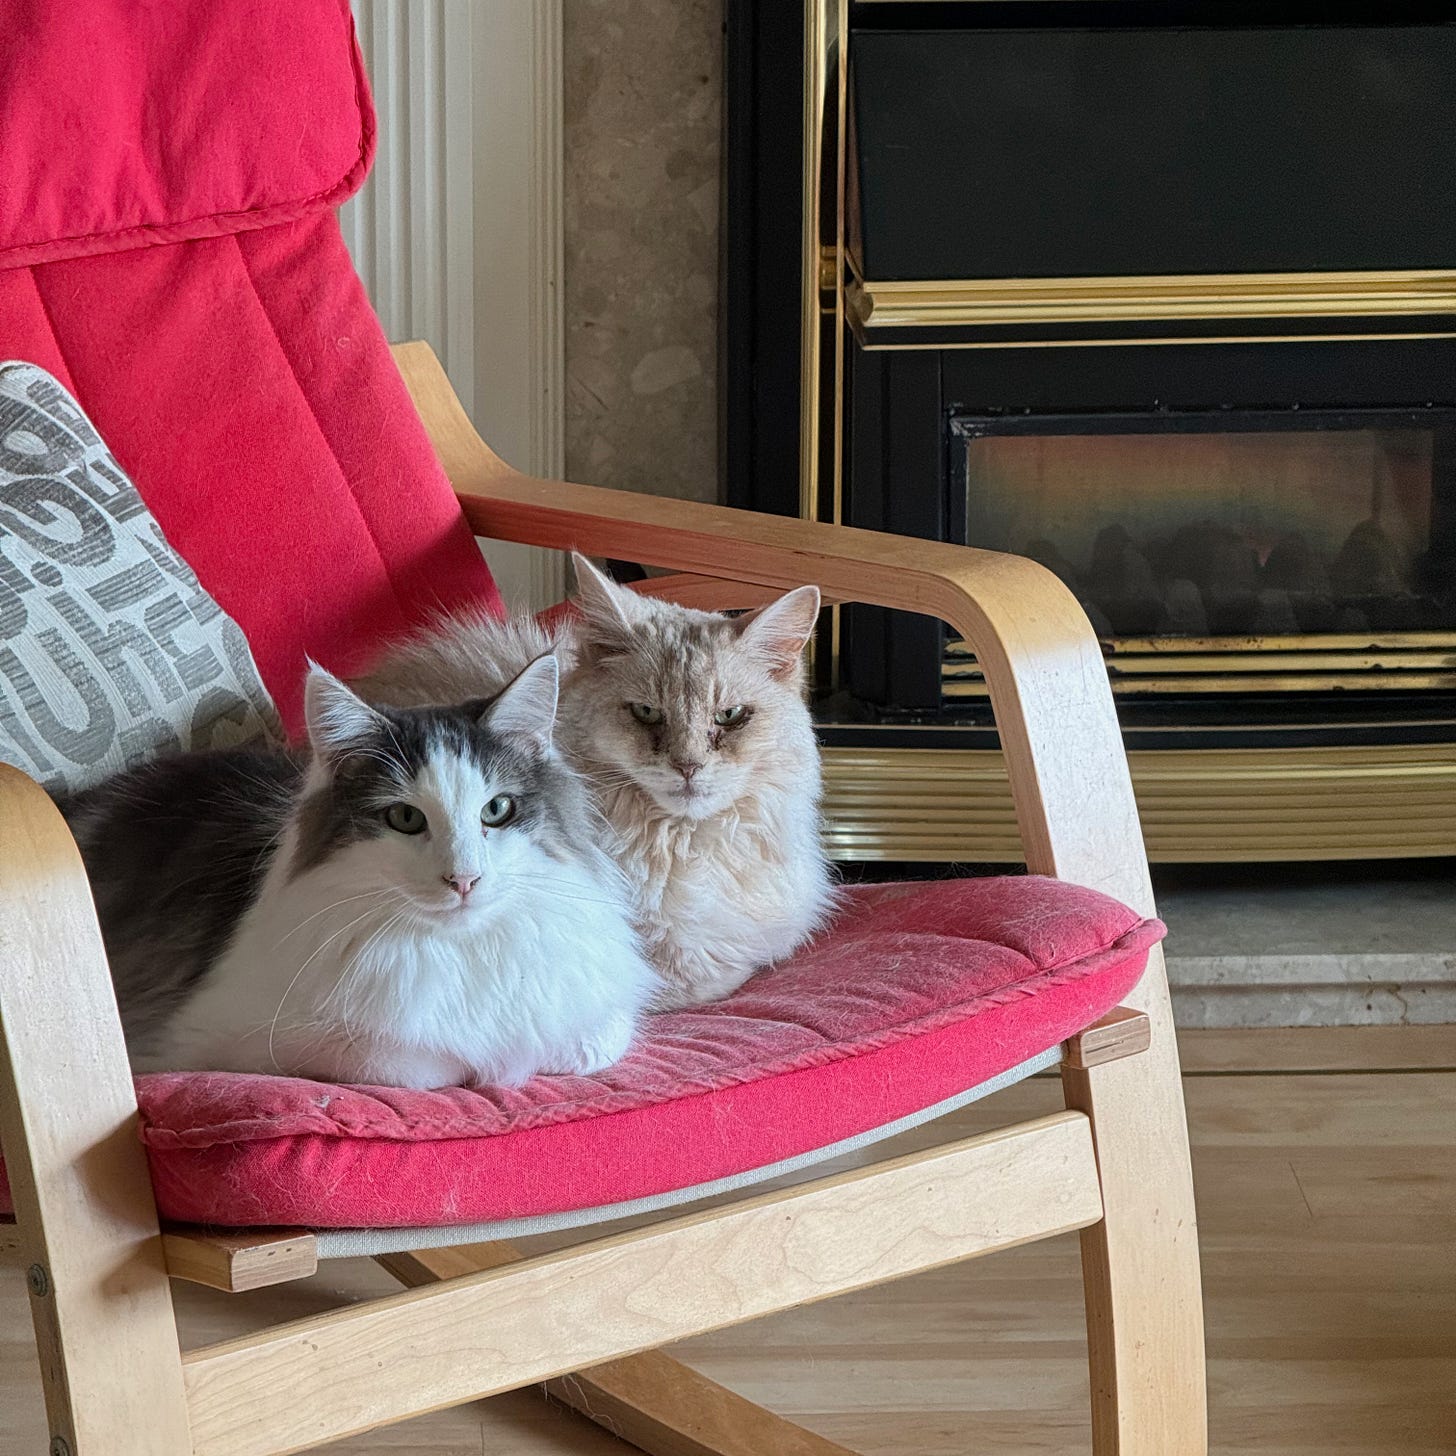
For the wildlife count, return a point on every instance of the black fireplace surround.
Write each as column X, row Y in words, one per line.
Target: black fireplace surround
column 1233, row 483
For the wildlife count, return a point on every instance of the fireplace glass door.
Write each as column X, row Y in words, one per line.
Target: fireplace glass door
column 1248, row 550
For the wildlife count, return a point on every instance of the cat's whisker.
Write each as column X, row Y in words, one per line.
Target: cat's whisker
column 604, row 784
column 353, row 963
column 348, row 899
column 394, row 766
column 553, row 887
column 317, row 951
column 394, row 738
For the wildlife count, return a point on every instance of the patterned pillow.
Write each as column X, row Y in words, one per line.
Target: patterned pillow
column 110, row 650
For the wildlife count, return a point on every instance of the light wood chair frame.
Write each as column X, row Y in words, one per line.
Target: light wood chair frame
column 588, row 1320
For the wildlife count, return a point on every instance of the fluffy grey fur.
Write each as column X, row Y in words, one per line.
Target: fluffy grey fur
column 178, row 849
column 175, row 851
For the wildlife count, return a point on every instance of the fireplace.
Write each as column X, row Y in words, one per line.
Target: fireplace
column 1163, row 297
column 1254, row 528
column 1231, row 551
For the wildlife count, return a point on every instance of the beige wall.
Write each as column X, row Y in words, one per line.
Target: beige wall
column 643, row 88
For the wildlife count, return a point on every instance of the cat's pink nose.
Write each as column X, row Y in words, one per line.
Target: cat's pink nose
column 686, row 769
column 462, row 884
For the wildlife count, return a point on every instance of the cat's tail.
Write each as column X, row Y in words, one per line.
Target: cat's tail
column 462, row 655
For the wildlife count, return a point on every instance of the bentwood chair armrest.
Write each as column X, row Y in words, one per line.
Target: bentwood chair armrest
column 1078, row 820
column 1043, row 666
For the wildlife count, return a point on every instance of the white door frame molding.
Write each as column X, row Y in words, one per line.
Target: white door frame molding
column 520, row 356
column 458, row 232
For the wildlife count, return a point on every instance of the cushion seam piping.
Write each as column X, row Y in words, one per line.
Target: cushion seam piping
column 325, row 193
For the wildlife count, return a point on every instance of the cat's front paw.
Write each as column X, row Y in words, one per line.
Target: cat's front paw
column 596, row 1050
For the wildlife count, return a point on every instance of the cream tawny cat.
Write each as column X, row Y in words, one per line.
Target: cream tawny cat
column 692, row 730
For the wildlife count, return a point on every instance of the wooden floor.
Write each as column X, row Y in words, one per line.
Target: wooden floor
column 1326, row 1168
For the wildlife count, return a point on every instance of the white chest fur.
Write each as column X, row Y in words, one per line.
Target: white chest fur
column 717, row 899
column 323, row 979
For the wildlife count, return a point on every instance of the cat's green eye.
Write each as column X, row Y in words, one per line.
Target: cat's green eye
column 406, row 819
column 731, row 717
column 645, row 712
column 500, row 810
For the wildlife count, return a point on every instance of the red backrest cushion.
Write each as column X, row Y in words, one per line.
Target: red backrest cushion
column 173, row 257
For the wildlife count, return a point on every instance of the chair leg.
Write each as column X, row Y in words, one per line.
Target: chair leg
column 106, row 1337
column 1140, row 1264
column 651, row 1401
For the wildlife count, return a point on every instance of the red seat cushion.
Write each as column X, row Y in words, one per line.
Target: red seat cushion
column 917, row 993
column 168, row 250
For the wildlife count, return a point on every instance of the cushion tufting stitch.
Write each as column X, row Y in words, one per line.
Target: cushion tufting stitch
column 918, row 992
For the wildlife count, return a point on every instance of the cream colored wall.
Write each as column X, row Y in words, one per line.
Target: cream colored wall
column 642, row 93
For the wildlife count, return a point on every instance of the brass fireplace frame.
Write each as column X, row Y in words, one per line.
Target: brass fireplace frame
column 902, row 805
column 1405, row 661
column 873, row 307
column 908, row 804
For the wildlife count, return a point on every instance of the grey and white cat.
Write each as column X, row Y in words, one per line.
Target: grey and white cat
column 420, row 902
column 692, row 729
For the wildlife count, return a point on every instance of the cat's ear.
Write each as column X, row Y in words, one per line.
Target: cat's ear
column 777, row 633
column 526, row 709
column 606, row 608
column 336, row 717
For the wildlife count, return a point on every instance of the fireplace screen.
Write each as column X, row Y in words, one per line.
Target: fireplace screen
column 1318, row 548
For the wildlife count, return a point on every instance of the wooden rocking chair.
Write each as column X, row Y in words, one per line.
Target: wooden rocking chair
column 479, row 1319
column 1115, row 1164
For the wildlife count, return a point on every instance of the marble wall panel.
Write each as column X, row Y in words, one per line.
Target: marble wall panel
column 643, row 115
